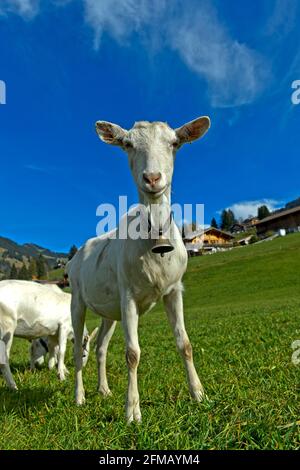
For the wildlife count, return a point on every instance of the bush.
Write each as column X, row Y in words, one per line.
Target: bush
column 254, row 239
column 269, row 233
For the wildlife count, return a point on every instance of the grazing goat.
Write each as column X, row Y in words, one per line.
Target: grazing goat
column 39, row 349
column 30, row 310
column 120, row 278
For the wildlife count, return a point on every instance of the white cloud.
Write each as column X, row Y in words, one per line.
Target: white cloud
column 25, row 8
column 120, row 18
column 246, row 208
column 283, row 18
column 40, row 169
column 235, row 74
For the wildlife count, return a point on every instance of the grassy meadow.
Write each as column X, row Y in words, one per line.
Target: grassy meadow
column 242, row 311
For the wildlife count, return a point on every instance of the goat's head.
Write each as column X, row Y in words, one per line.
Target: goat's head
column 38, row 351
column 151, row 148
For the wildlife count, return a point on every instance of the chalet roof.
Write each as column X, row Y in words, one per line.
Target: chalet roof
column 249, row 219
column 198, row 233
column 239, row 224
column 278, row 215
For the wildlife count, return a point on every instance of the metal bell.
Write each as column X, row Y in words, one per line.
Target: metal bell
column 162, row 245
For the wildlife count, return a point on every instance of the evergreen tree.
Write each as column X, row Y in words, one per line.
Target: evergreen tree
column 32, row 269
column 227, row 219
column 214, row 223
column 224, row 220
column 13, row 272
column 232, row 219
column 72, row 252
column 23, row 272
column 262, row 212
column 41, row 267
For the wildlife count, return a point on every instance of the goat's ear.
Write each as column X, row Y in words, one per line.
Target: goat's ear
column 110, row 133
column 193, row 130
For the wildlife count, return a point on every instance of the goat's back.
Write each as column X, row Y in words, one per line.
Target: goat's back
column 36, row 309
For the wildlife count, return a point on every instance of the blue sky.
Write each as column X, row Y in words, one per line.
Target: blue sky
column 67, row 64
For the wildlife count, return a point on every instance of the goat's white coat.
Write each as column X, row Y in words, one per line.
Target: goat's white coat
column 30, row 310
column 120, row 279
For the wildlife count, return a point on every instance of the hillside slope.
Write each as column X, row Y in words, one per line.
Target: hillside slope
column 14, row 253
column 249, row 275
column 242, row 312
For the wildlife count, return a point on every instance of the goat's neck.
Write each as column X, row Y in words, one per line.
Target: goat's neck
column 155, row 207
column 164, row 199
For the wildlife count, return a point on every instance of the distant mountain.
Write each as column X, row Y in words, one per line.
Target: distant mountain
column 289, row 205
column 13, row 253
column 292, row 204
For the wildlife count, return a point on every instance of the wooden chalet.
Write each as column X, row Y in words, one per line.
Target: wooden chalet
column 238, row 227
column 207, row 240
column 250, row 222
column 288, row 220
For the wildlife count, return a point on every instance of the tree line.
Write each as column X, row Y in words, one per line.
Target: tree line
column 228, row 218
column 35, row 267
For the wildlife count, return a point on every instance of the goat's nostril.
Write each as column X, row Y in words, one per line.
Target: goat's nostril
column 152, row 178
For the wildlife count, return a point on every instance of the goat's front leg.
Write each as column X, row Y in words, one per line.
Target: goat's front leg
column 103, row 339
column 130, row 326
column 174, row 308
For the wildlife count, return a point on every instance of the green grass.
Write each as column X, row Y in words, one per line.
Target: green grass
column 241, row 235
column 55, row 274
column 242, row 312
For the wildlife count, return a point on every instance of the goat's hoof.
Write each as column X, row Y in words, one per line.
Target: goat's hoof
column 105, row 391
column 13, row 387
column 134, row 419
column 198, row 395
column 62, row 377
column 80, row 400
column 134, row 414
column 138, row 418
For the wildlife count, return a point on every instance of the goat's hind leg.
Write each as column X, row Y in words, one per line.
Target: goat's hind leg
column 5, row 345
column 62, row 338
column 104, row 336
column 78, row 310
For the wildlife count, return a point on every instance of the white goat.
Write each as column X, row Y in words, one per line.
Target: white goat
column 120, row 279
column 30, row 310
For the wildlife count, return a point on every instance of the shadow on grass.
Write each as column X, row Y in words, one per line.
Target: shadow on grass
column 23, row 399
column 18, row 367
